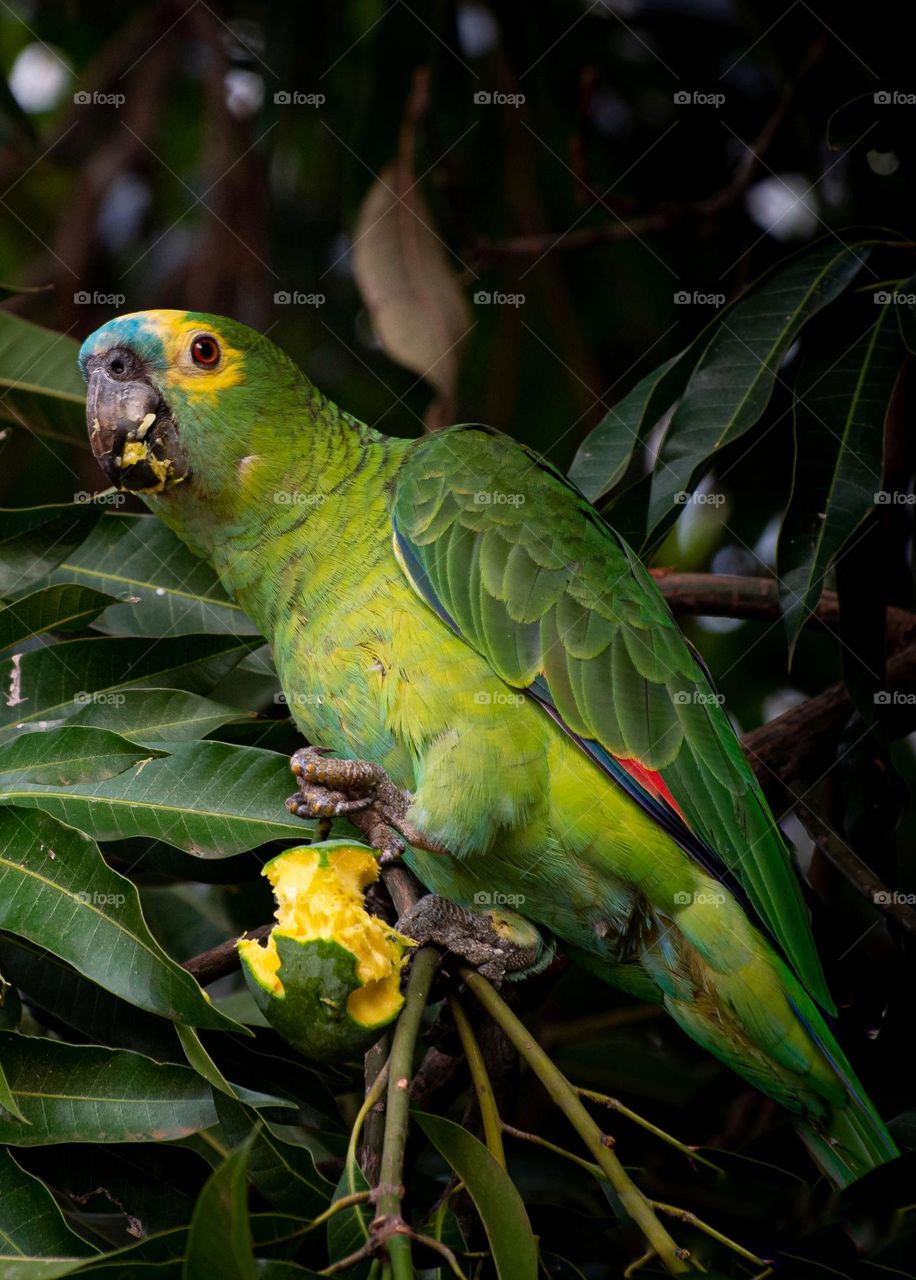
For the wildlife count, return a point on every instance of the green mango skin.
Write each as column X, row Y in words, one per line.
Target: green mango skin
column 311, row 1014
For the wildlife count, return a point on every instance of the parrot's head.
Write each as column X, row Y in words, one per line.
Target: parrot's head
column 178, row 396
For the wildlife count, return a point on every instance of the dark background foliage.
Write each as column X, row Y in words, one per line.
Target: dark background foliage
column 164, row 155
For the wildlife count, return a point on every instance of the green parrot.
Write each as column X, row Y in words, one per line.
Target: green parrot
column 454, row 614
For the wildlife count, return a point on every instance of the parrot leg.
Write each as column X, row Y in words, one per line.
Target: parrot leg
column 499, row 944
column 361, row 792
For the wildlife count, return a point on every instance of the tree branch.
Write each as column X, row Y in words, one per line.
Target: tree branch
column 725, row 595
column 705, row 210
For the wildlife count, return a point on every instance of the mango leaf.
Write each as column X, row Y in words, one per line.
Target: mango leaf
column 500, row 1206
column 208, row 798
column 66, row 756
column 10, row 1004
column 56, row 988
column 34, row 540
column 55, row 682
column 79, row 1093
column 604, row 455
column 408, row 283
column 348, row 1230
column 734, row 380
column 57, row 891
column 31, row 1224
column 283, row 1172
column 42, row 385
column 8, row 1101
column 219, row 1239
column 170, row 590
column 159, row 715
column 840, row 408
column 203, row 1064
column 66, row 607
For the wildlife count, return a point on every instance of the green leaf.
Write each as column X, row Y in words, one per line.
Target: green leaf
column 501, row 1210
column 171, row 590
column 348, row 1229
column 66, row 756
column 219, row 1240
column 31, row 1224
column 734, row 380
column 44, row 388
column 57, row 891
column 79, row 1093
column 159, row 715
column 7, row 1099
column 842, row 398
column 10, row 1004
column 55, row 987
column 604, row 455
column 34, row 540
column 66, row 607
column 57, row 681
column 208, row 798
column 283, row 1172
column 201, row 1061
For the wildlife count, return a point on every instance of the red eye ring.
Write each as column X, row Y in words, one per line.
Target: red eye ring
column 205, row 350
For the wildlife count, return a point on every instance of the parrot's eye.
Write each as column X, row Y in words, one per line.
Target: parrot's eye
column 205, row 350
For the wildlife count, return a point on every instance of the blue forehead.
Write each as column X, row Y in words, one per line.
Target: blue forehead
column 138, row 332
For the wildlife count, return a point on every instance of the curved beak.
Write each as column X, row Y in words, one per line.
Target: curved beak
column 133, row 435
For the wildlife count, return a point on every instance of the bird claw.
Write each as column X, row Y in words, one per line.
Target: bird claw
column 359, row 791
column 500, row 945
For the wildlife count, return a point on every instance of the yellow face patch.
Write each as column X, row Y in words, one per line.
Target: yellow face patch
column 183, row 374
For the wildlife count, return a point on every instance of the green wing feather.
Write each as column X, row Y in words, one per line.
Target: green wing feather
column 523, row 567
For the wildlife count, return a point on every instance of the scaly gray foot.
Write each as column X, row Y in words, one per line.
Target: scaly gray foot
column 498, row 944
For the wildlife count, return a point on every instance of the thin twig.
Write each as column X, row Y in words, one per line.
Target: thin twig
column 603, row 1100
column 489, row 1113
column 595, row 1170
column 562, row 1093
column 684, row 1215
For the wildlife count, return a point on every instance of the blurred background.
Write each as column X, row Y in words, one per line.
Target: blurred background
column 461, row 210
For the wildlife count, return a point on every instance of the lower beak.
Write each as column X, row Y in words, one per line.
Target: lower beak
column 133, row 435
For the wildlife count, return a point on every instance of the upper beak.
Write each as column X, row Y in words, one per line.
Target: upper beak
column 132, row 432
